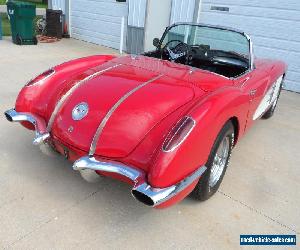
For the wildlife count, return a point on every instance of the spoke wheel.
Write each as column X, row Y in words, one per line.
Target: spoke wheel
column 219, row 162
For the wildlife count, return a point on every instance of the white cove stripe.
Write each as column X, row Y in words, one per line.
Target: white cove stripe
column 268, row 99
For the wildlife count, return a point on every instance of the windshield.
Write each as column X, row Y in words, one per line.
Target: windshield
column 220, row 50
column 212, row 37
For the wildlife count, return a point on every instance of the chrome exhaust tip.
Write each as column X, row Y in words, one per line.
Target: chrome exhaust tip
column 8, row 116
column 151, row 196
column 143, row 198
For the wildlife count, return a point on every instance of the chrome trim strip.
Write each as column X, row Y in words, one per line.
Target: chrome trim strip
column 251, row 52
column 70, row 91
column 87, row 162
column 155, row 195
column 112, row 110
column 40, row 131
column 40, row 138
column 206, row 25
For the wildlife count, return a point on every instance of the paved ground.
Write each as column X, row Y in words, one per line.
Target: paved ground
column 39, row 11
column 46, row 205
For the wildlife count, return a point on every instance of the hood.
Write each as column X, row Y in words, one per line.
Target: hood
column 130, row 99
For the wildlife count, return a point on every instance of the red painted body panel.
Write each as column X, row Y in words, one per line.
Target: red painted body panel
column 41, row 98
column 101, row 93
column 142, row 111
column 135, row 132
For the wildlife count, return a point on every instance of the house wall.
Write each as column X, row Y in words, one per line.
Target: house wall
column 137, row 13
column 98, row 21
column 182, row 11
column 58, row 5
column 136, row 26
column 274, row 27
column 157, row 19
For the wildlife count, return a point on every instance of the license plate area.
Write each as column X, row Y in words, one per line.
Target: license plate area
column 66, row 151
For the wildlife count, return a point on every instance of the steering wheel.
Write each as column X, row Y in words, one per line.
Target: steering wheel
column 180, row 50
column 201, row 52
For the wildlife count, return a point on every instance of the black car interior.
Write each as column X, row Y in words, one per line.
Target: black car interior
column 225, row 63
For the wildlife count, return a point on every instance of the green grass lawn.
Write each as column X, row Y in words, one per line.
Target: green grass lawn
column 6, row 25
column 38, row 3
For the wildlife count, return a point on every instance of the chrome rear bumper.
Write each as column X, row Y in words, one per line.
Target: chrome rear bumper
column 141, row 190
column 41, row 134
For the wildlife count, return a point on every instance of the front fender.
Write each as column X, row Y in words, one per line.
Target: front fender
column 210, row 115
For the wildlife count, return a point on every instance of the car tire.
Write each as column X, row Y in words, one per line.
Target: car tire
column 216, row 165
column 19, row 40
column 35, row 40
column 270, row 112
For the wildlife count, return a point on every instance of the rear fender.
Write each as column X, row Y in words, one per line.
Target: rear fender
column 41, row 98
column 210, row 115
column 278, row 69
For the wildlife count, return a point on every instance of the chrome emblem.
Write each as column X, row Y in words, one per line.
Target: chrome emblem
column 70, row 129
column 80, row 111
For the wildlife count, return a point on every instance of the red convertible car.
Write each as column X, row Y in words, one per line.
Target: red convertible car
column 165, row 121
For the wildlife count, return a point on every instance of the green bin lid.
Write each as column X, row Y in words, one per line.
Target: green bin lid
column 21, row 4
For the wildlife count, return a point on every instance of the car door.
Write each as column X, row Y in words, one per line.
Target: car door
column 254, row 86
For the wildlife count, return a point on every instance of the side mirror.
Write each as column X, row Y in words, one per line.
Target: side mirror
column 156, row 42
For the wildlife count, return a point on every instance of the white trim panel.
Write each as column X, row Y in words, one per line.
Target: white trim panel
column 268, row 99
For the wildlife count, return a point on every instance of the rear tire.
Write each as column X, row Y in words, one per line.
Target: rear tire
column 216, row 165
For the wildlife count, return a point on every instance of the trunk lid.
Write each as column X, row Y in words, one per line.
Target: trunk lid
column 130, row 122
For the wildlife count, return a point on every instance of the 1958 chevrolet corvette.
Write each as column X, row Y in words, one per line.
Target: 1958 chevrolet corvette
column 165, row 121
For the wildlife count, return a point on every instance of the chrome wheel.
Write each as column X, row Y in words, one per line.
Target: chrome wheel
column 216, row 164
column 219, row 162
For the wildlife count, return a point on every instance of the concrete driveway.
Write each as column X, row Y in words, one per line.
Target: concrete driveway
column 44, row 204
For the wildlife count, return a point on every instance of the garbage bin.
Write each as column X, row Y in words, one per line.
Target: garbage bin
column 54, row 25
column 21, row 16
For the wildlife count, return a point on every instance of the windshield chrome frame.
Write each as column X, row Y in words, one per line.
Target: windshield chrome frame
column 251, row 53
